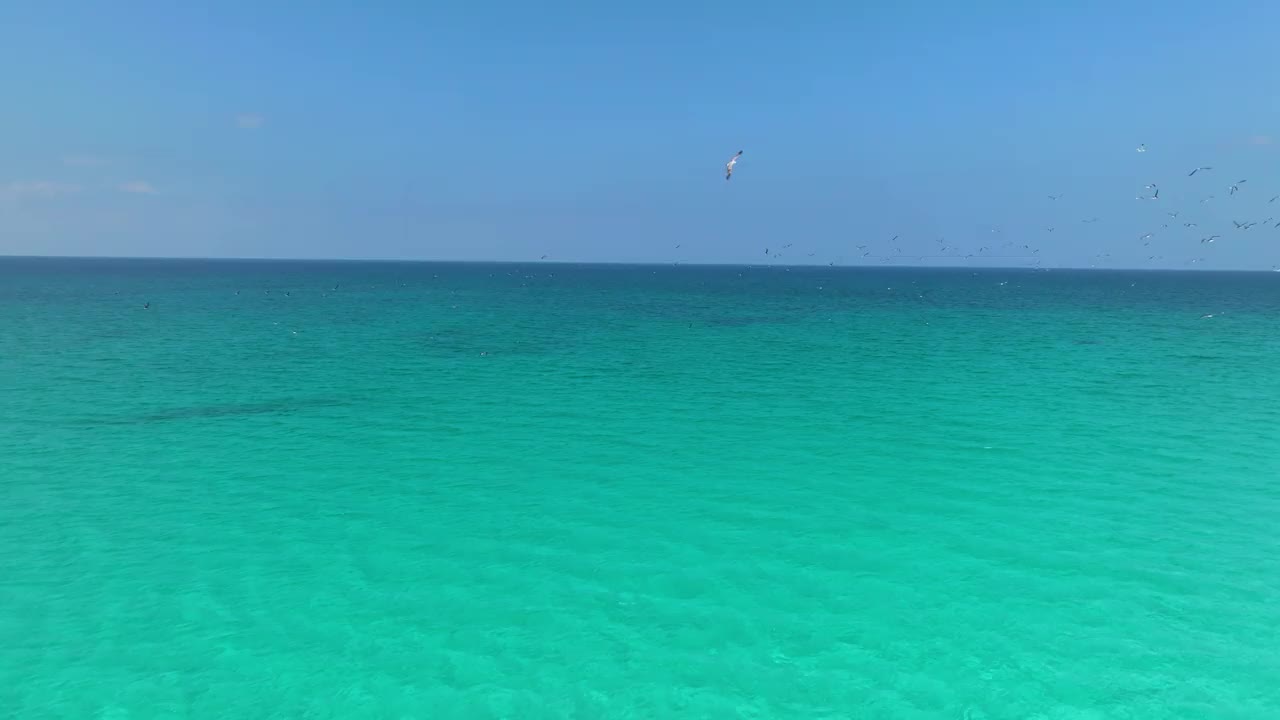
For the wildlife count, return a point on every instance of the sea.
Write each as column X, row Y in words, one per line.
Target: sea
column 349, row 490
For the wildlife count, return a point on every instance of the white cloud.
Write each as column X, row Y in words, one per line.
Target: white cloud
column 138, row 187
column 250, row 121
column 40, row 188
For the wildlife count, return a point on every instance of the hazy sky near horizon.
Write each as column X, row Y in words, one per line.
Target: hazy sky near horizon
column 599, row 132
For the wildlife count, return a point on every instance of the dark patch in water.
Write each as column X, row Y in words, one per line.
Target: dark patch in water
column 274, row 407
column 469, row 343
column 745, row 321
column 1087, row 342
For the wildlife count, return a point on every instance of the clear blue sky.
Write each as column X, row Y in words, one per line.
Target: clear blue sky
column 599, row 131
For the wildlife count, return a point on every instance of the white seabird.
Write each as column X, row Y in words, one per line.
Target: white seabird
column 728, row 167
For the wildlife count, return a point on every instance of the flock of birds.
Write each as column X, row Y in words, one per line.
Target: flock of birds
column 893, row 249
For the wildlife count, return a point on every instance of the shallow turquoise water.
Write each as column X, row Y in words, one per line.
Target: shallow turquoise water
column 539, row 491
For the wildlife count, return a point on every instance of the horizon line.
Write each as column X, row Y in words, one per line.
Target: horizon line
column 612, row 263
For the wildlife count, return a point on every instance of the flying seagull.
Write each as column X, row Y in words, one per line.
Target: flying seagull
column 1273, row 199
column 1054, row 197
column 1234, row 188
column 1193, row 172
column 1210, row 239
column 728, row 167
column 1142, row 147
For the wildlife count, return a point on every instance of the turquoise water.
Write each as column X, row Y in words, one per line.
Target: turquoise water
column 545, row 491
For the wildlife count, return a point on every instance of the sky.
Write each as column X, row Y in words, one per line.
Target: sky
column 598, row 132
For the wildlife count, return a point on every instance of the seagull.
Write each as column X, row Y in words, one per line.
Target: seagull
column 1193, row 172
column 1206, row 200
column 1235, row 188
column 1210, row 239
column 1173, row 214
column 1189, row 225
column 728, row 167
column 146, row 306
column 1090, row 220
column 1273, row 199
column 1054, row 197
column 1142, row 147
